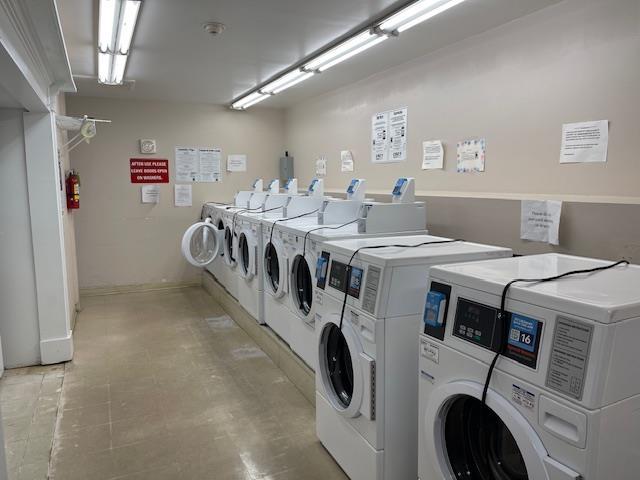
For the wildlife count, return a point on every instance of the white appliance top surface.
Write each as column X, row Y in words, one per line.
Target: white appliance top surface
column 406, row 253
column 607, row 296
column 310, row 220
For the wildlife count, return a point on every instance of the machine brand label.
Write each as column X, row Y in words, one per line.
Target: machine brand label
column 523, row 397
column 430, row 351
column 569, row 356
column 371, row 289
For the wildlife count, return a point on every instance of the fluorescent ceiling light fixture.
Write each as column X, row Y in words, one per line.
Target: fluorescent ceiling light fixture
column 416, row 13
column 117, row 22
column 394, row 24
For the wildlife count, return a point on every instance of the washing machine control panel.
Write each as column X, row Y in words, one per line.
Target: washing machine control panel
column 479, row 324
column 322, row 265
column 342, row 280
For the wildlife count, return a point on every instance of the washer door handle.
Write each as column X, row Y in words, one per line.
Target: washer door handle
column 558, row 471
column 368, row 406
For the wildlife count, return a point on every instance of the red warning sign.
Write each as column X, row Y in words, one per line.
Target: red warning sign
column 149, row 170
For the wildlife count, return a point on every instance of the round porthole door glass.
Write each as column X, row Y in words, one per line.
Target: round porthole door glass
column 338, row 364
column 479, row 445
column 220, row 225
column 228, row 244
column 302, row 285
column 243, row 247
column 200, row 244
column 272, row 266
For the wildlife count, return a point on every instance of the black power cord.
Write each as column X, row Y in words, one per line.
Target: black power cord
column 304, row 243
column 273, row 227
column 371, row 247
column 235, row 214
column 503, row 316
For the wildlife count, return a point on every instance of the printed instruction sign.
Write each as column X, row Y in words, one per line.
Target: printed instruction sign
column 236, row 163
column 471, row 155
column 540, row 221
column 432, row 155
column 197, row 164
column 346, row 161
column 389, row 136
column 150, row 193
column 585, row 142
column 321, row 166
column 183, row 196
column 149, row 170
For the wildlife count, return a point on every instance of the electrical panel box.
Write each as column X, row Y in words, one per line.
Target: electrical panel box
column 286, row 169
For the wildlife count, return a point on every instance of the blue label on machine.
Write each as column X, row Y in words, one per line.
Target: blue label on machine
column 434, row 308
column 397, row 190
column 523, row 332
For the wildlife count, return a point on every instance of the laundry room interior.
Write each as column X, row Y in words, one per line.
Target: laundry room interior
column 363, row 239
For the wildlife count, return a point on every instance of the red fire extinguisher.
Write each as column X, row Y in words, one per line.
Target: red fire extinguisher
column 73, row 190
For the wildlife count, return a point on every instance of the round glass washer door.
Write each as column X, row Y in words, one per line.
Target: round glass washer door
column 478, row 444
column 274, row 270
column 228, row 247
column 301, row 285
column 201, row 243
column 246, row 254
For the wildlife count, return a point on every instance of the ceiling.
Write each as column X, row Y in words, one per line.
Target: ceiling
column 174, row 59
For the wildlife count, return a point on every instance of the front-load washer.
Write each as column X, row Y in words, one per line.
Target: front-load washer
column 216, row 267
column 370, row 303
column 563, row 402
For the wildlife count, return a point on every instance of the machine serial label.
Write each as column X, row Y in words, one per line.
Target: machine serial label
column 371, row 289
column 523, row 397
column 430, row 351
column 569, row 357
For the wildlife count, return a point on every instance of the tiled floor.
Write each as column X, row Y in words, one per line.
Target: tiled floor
column 163, row 386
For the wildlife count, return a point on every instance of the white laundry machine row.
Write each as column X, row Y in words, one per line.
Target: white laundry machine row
column 563, row 401
column 370, row 301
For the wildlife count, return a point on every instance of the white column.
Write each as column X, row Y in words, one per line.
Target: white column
column 45, row 206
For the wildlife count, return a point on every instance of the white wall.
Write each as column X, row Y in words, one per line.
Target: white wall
column 18, row 301
column 515, row 86
column 123, row 242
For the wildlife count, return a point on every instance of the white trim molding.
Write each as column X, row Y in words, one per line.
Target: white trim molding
column 56, row 350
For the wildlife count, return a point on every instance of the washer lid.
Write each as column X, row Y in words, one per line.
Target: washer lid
column 201, row 243
column 607, row 296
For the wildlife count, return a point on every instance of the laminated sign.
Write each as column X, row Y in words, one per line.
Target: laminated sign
column 149, row 170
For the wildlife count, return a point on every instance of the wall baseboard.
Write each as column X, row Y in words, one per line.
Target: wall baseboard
column 294, row 368
column 56, row 350
column 144, row 287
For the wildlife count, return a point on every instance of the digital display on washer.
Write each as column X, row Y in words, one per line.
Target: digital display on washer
column 476, row 323
column 338, row 278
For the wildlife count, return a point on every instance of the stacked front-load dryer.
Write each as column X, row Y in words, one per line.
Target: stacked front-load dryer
column 370, row 299
column 562, row 402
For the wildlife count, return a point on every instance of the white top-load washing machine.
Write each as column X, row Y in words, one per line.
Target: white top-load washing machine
column 370, row 299
column 563, row 402
column 338, row 220
column 247, row 232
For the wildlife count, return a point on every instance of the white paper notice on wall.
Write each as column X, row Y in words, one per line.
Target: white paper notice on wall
column 432, row 155
column 321, row 166
column 150, row 193
column 236, row 163
column 346, row 161
column 540, row 220
column 585, row 142
column 471, row 155
column 198, row 164
column 183, row 195
column 389, row 136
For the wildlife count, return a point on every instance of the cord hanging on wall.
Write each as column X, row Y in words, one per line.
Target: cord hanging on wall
column 85, row 126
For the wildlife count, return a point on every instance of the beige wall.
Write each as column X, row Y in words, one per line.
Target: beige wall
column 123, row 242
column 515, row 86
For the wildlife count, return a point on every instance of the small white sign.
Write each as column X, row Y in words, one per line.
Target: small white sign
column 321, row 166
column 346, row 161
column 183, row 196
column 432, row 155
column 540, row 221
column 150, row 193
column 236, row 163
column 389, row 136
column 197, row 164
column 585, row 142
column 471, row 155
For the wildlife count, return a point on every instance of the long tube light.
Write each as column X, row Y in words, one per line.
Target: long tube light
column 117, row 22
column 390, row 26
